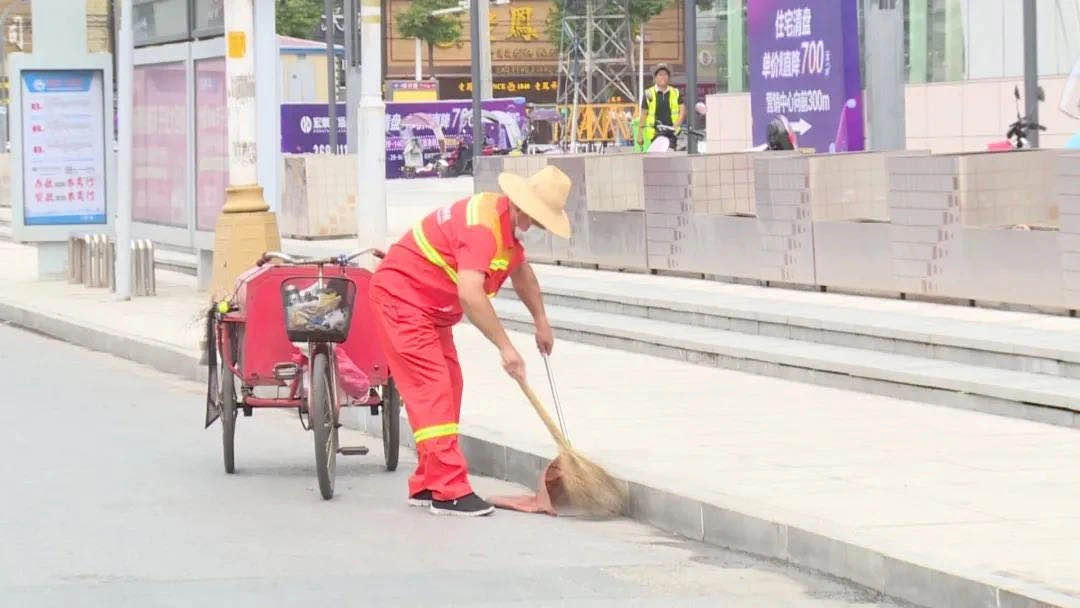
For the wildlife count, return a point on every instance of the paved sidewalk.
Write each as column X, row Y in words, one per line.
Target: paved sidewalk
column 934, row 505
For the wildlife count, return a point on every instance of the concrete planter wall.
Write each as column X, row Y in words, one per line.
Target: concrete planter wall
column 692, row 205
column 605, row 207
column 319, row 196
column 1068, row 186
column 849, row 202
column 977, row 226
column 960, row 227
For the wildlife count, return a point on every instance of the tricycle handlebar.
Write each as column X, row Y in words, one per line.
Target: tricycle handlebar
column 296, row 260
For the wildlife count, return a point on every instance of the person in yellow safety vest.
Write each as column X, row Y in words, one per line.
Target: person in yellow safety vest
column 661, row 106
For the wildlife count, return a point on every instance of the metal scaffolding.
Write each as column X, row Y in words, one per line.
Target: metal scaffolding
column 596, row 59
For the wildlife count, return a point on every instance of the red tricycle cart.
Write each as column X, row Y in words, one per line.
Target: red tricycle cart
column 255, row 362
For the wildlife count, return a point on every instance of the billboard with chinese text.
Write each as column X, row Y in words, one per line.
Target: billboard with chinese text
column 502, row 116
column 804, row 65
column 304, row 127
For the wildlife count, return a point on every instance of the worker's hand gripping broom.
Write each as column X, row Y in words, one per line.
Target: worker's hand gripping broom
column 587, row 485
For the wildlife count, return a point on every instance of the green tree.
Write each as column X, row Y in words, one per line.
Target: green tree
column 418, row 22
column 298, row 18
column 641, row 11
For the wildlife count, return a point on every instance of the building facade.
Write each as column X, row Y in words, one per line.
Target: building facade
column 963, row 58
column 524, row 57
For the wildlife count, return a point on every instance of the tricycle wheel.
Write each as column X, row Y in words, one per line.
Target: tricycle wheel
column 321, row 412
column 391, row 424
column 228, row 414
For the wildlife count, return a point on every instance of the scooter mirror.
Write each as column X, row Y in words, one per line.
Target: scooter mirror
column 1016, row 93
column 1042, row 94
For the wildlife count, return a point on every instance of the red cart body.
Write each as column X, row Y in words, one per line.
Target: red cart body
column 260, row 317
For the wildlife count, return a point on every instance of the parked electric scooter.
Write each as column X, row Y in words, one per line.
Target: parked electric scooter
column 1017, row 135
column 665, row 135
column 458, row 160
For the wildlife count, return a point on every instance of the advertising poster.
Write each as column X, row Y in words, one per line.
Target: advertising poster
column 160, row 154
column 504, row 122
column 305, row 128
column 63, row 147
column 211, row 142
column 804, row 66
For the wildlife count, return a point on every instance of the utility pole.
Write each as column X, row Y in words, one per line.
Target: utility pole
column 125, row 101
column 371, row 157
column 885, row 74
column 246, row 228
column 690, row 62
column 477, row 74
column 331, row 75
column 352, row 75
column 483, row 18
column 1031, row 70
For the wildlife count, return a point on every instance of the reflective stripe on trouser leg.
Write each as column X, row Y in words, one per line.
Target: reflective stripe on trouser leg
column 425, row 369
column 434, row 432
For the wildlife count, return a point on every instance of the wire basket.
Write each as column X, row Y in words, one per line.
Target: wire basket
column 318, row 310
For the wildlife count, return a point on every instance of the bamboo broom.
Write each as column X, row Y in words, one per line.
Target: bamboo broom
column 588, row 486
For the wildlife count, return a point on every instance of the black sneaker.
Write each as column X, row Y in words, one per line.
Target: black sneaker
column 469, row 505
column 420, row 499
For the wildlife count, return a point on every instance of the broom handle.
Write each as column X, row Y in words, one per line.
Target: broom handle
column 544, row 416
column 555, row 398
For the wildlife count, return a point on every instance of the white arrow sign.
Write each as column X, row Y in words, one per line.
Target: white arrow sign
column 801, row 126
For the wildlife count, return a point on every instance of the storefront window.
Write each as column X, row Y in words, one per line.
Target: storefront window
column 208, row 18
column 158, row 21
column 949, row 40
column 722, row 55
column 159, row 192
column 211, row 142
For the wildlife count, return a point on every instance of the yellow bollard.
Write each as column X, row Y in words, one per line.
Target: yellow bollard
column 244, row 231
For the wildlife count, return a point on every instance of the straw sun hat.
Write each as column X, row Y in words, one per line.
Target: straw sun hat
column 542, row 196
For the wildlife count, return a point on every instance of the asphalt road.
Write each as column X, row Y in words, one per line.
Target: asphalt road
column 114, row 495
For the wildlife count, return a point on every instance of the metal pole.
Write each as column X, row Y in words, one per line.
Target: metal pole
column 576, row 67
column 590, row 94
column 352, row 75
column 1031, row 70
column 418, row 60
column 371, row 149
column 331, row 76
column 477, row 74
column 267, row 102
column 641, row 67
column 484, row 19
column 885, row 74
column 690, row 55
column 125, row 94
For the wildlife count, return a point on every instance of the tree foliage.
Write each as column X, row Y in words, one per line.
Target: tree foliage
column 641, row 11
column 418, row 22
column 298, row 18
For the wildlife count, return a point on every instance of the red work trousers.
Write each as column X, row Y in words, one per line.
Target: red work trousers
column 424, row 364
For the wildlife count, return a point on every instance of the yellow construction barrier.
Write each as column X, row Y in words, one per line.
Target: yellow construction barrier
column 598, row 122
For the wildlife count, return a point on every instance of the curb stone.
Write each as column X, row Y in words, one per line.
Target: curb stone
column 904, row 578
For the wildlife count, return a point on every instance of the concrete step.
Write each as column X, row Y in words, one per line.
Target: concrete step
column 1040, row 397
column 176, row 261
column 1005, row 340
